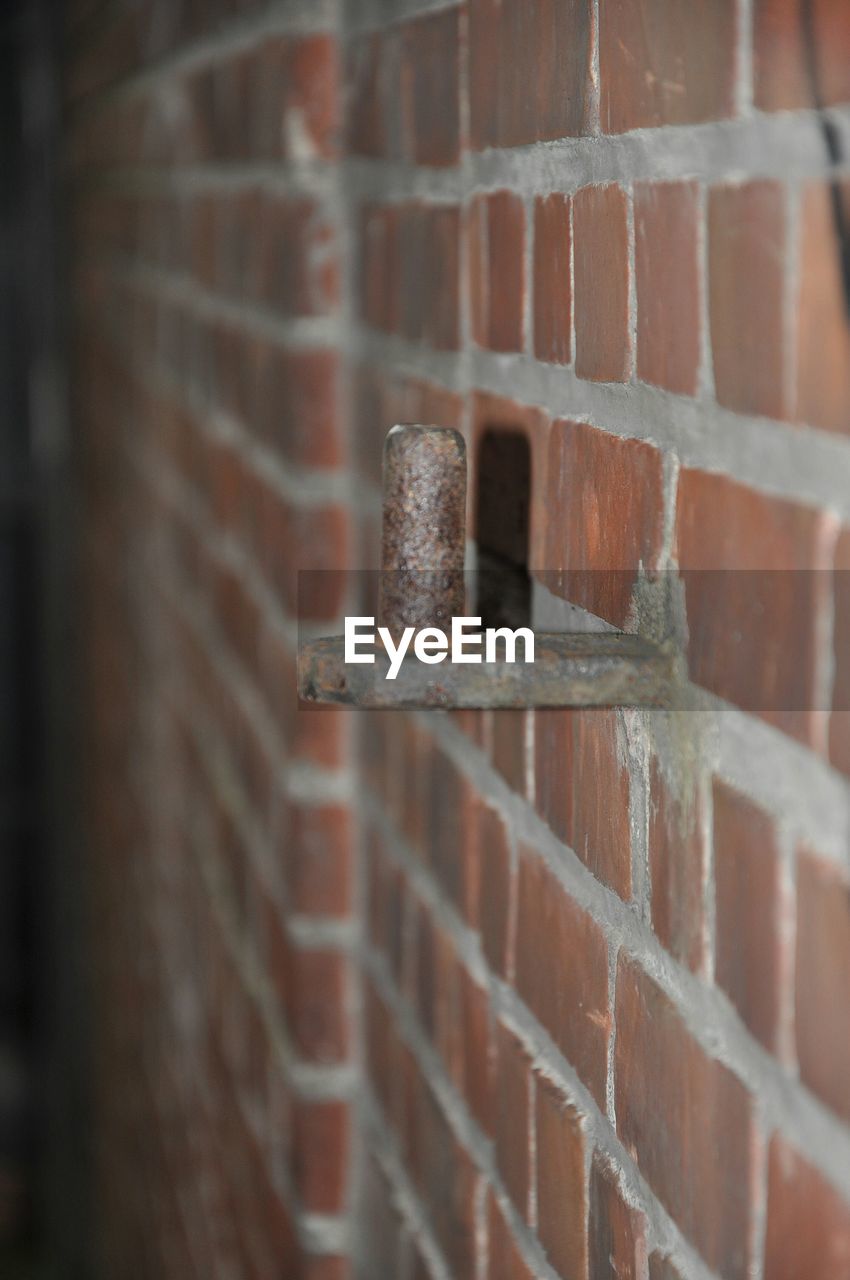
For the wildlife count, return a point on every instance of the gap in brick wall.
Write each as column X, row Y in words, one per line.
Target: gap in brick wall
column 502, row 507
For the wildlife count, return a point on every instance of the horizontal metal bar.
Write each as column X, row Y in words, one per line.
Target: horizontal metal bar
column 586, row 670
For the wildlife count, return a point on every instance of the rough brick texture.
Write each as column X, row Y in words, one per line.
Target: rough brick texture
column 584, row 971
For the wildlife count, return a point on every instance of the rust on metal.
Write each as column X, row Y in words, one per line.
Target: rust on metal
column 422, row 585
column 424, row 528
column 606, row 669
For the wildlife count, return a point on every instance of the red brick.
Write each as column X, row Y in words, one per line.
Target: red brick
column 448, row 1035
column 617, row 1231
column 497, row 889
column 529, row 62
column 409, row 796
column 668, row 282
column 478, row 1051
column 749, row 911
column 554, row 738
column 381, row 1238
column 823, row 957
column 747, row 253
column 504, row 1260
column 606, row 517
column 317, row 860
column 320, row 1142
column 305, row 75
column 388, row 907
column 226, row 485
column 380, row 268
column 497, row 270
column 450, row 835
column 447, row 1182
column 430, row 87
column 380, row 1052
column 296, row 258
column 315, row 990
column 553, row 300
column 688, row 1122
column 665, row 62
column 808, row 1223
column 601, row 827
column 430, row 284
column 467, row 881
column 382, row 399
column 203, row 239
column 677, row 869
column 371, row 95
column 561, row 1181
column 319, row 736
column 508, row 747
column 325, row 1268
column 425, row 989
column 752, row 602
column 425, row 402
column 233, row 82
column 562, row 971
column 783, row 79
column 823, row 333
column 601, row 284
column 839, row 724
column 318, row 543
column 296, row 405
column 377, row 407
column 513, row 1117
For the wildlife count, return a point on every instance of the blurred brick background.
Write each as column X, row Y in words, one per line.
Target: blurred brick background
column 484, row 995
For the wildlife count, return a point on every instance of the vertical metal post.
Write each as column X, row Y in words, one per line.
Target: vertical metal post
column 424, row 528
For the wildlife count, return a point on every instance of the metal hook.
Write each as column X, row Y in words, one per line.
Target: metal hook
column 422, row 585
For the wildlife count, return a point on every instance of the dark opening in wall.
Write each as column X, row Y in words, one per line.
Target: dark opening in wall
column 503, row 503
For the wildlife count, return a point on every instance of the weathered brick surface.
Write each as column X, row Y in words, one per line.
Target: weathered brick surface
column 496, row 888
column 677, row 857
column 528, row 69
column 617, row 1230
column 606, row 517
column 561, row 1181
column 667, row 218
column 592, row 253
column 601, row 289
column 749, row 912
column 662, row 62
column 823, row 947
column 513, row 1117
column 601, row 831
column 552, row 930
column 787, row 74
column 554, row 737
column 823, row 338
column 808, row 1223
column 497, row 270
column 553, row 279
column 505, row 1262
column 747, row 245
column 430, row 88
column 754, row 591
column 688, row 1121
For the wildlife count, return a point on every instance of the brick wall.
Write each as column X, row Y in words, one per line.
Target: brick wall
column 479, row 995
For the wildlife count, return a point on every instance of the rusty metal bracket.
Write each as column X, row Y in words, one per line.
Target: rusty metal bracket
column 422, row 585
